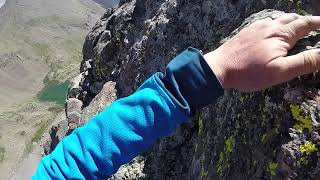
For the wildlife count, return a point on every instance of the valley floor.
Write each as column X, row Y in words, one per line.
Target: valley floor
column 40, row 42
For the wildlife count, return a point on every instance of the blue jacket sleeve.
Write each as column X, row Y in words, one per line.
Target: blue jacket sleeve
column 130, row 125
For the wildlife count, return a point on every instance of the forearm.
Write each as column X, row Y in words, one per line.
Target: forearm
column 114, row 136
column 130, row 125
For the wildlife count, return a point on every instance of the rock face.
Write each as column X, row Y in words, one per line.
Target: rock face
column 73, row 112
column 107, row 95
column 273, row 134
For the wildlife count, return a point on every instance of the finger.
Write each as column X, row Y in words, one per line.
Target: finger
column 301, row 27
column 287, row 18
column 290, row 67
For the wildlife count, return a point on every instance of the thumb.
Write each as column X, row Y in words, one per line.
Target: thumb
column 293, row 66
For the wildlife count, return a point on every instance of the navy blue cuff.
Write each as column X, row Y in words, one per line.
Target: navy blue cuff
column 190, row 82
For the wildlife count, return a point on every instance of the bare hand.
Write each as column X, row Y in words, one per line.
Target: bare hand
column 256, row 58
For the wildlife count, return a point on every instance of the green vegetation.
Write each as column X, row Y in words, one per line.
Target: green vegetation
column 308, row 148
column 303, row 122
column 2, row 151
column 272, row 168
column 36, row 136
column 54, row 91
column 22, row 133
column 40, row 49
column 56, row 109
column 38, row 21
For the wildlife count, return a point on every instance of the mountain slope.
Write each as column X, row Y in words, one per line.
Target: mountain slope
column 40, row 48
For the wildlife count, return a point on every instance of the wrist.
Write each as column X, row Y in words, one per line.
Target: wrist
column 190, row 79
column 212, row 59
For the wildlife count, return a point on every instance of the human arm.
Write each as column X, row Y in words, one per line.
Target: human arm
column 243, row 63
column 130, row 125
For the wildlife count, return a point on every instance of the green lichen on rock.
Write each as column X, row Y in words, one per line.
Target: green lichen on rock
column 272, row 166
column 303, row 122
column 228, row 148
column 303, row 160
column 308, row 148
column 200, row 123
column 229, row 145
column 220, row 164
column 204, row 173
column 299, row 9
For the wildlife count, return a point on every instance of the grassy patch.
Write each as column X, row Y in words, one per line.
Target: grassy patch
column 40, row 49
column 44, row 21
column 56, row 109
column 36, row 136
column 2, row 151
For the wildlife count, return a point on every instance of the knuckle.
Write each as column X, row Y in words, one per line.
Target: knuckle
column 274, row 29
column 289, row 32
column 286, row 32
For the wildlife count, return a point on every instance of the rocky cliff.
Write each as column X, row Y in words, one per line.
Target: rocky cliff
column 273, row 134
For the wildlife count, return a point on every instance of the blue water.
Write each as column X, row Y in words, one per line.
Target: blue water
column 54, row 91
